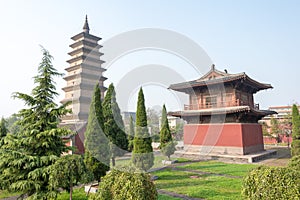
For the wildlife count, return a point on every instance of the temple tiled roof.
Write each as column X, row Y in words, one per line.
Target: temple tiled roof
column 214, row 77
column 75, row 127
column 220, row 111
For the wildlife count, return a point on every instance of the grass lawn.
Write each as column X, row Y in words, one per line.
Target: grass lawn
column 205, row 186
column 221, row 168
column 78, row 194
column 5, row 194
column 157, row 161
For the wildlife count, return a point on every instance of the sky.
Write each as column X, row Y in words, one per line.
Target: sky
column 261, row 38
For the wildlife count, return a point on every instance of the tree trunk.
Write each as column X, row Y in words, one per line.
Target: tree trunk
column 71, row 191
column 113, row 161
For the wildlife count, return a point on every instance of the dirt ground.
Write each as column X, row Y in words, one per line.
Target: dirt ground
column 281, row 159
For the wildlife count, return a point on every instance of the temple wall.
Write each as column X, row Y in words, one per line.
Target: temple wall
column 79, row 142
column 228, row 138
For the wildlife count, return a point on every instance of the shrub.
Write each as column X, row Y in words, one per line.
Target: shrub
column 295, row 163
column 272, row 183
column 168, row 149
column 126, row 184
column 295, row 150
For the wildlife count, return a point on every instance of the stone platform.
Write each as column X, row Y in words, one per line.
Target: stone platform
column 250, row 158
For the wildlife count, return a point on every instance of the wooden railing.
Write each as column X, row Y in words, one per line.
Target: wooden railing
column 221, row 104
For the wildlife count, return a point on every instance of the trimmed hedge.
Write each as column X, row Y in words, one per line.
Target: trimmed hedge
column 126, row 184
column 295, row 163
column 272, row 183
column 295, row 150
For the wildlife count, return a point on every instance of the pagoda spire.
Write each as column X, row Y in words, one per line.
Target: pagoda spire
column 86, row 27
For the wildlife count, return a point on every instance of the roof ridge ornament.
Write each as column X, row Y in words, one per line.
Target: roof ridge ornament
column 213, row 67
column 86, row 27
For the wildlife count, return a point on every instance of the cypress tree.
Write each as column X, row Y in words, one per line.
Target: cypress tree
column 167, row 145
column 295, row 131
column 97, row 153
column 114, row 126
column 130, row 134
column 25, row 158
column 142, row 156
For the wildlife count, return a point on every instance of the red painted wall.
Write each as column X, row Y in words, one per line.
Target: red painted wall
column 79, row 141
column 283, row 139
column 231, row 134
column 252, row 134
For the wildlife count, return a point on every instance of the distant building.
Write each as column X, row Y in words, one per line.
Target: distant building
column 126, row 117
column 283, row 116
column 173, row 122
column 282, row 113
column 222, row 117
column 83, row 73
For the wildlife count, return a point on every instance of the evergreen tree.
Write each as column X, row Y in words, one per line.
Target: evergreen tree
column 130, row 134
column 25, row 158
column 167, row 145
column 142, row 156
column 114, row 125
column 97, row 153
column 3, row 130
column 275, row 129
column 13, row 124
column 295, row 131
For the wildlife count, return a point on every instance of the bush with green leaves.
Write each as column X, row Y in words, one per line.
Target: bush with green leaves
column 296, row 131
column 126, row 183
column 295, row 150
column 272, row 183
column 168, row 149
column 295, row 163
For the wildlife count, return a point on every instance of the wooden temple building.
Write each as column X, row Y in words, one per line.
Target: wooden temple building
column 222, row 117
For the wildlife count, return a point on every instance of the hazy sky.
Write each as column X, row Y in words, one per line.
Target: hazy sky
column 261, row 38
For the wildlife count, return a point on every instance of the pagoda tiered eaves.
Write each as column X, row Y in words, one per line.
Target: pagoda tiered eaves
column 85, row 35
column 85, row 43
column 85, row 51
column 85, row 58
column 83, row 73
column 86, row 66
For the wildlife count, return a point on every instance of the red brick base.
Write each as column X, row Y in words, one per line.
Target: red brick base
column 229, row 138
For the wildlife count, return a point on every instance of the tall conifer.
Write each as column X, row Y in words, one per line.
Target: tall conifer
column 142, row 156
column 167, row 145
column 25, row 158
column 295, row 131
column 97, row 152
column 114, row 126
column 130, row 134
